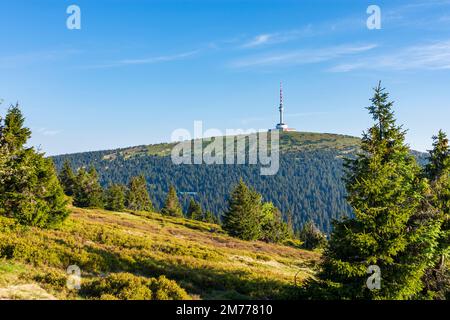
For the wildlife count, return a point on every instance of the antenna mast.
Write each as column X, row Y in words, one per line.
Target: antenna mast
column 281, row 103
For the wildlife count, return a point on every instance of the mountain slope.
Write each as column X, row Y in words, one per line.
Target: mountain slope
column 203, row 260
column 308, row 183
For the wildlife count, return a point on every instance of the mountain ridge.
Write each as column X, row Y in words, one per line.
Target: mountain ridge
column 308, row 183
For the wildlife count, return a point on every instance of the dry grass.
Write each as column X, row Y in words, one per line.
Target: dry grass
column 203, row 260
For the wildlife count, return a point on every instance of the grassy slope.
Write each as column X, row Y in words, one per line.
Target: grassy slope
column 289, row 142
column 199, row 256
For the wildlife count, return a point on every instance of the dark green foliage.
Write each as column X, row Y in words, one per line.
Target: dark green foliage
column 209, row 217
column 138, row 198
column 30, row 191
column 308, row 182
column 172, row 205
column 311, row 236
column 437, row 278
column 126, row 286
column 386, row 193
column 115, row 197
column 243, row 217
column 67, row 178
column 194, row 210
column 273, row 228
column 87, row 191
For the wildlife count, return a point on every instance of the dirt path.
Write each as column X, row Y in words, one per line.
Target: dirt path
column 25, row 292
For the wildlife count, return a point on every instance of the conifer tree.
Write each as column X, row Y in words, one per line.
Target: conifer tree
column 67, row 178
column 243, row 217
column 437, row 278
column 273, row 228
column 311, row 236
column 115, row 197
column 30, row 191
column 87, row 191
column 138, row 198
column 386, row 193
column 209, row 217
column 194, row 211
column 172, row 205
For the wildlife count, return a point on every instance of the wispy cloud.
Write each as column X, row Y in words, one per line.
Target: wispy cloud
column 158, row 59
column 145, row 61
column 301, row 57
column 431, row 56
column 47, row 132
column 277, row 37
column 37, row 57
column 258, row 40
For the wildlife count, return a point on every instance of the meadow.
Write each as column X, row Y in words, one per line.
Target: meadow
column 145, row 256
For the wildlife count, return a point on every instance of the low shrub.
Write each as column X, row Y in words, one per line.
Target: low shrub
column 126, row 286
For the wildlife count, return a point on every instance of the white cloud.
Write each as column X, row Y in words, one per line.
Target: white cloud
column 36, row 57
column 144, row 61
column 431, row 56
column 258, row 40
column 47, row 132
column 157, row 59
column 301, row 57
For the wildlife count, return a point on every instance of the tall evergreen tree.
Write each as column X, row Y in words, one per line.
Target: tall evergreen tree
column 243, row 217
column 386, row 193
column 172, row 205
column 311, row 236
column 437, row 278
column 138, row 198
column 209, row 217
column 273, row 228
column 194, row 210
column 115, row 197
column 67, row 178
column 30, row 191
column 87, row 191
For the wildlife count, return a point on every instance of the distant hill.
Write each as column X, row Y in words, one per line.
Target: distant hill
column 308, row 183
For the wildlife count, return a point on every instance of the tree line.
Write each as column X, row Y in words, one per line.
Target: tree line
column 33, row 193
column 247, row 217
column 308, row 184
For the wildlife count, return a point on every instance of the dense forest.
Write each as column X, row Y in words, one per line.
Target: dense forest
column 308, row 184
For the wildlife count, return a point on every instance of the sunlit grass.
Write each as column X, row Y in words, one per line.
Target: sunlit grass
column 200, row 257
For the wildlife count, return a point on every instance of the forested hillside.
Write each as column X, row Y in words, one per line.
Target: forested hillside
column 308, row 183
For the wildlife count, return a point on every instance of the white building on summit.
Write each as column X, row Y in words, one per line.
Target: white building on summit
column 282, row 126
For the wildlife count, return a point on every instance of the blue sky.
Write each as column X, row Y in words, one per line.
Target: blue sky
column 138, row 70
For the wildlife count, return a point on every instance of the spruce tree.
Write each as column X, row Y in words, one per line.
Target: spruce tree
column 138, row 198
column 172, row 205
column 311, row 236
column 87, row 190
column 243, row 217
column 437, row 278
column 67, row 178
column 115, row 196
column 30, row 191
column 273, row 228
column 386, row 193
column 209, row 217
column 194, row 211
